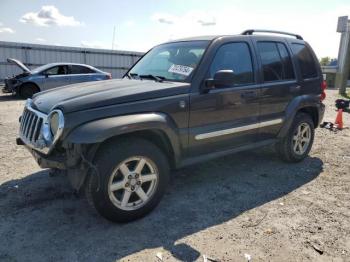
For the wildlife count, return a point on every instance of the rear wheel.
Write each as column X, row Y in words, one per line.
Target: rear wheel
column 296, row 145
column 133, row 176
column 28, row 90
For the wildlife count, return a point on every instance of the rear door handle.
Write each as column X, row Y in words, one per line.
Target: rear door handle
column 249, row 94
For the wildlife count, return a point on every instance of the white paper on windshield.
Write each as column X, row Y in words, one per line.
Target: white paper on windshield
column 181, row 69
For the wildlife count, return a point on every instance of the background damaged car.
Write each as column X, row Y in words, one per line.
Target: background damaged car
column 49, row 76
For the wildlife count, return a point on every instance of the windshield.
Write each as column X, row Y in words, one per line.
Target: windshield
column 41, row 68
column 173, row 61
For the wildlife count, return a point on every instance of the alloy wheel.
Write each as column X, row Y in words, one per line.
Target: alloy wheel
column 133, row 182
column 301, row 138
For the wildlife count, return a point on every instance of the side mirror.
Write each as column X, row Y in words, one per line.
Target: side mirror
column 222, row 78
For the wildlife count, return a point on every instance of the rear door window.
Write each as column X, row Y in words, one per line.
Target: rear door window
column 77, row 69
column 306, row 61
column 287, row 65
column 235, row 57
column 276, row 62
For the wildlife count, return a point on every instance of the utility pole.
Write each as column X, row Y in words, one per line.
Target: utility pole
column 343, row 71
column 113, row 37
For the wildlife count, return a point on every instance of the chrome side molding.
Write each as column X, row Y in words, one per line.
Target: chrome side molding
column 238, row 129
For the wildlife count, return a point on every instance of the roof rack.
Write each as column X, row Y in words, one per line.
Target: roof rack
column 251, row 31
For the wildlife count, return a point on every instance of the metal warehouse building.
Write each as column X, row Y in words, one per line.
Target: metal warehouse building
column 34, row 55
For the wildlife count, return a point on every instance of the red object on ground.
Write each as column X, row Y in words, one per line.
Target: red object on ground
column 339, row 119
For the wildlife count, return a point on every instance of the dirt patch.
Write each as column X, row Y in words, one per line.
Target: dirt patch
column 246, row 205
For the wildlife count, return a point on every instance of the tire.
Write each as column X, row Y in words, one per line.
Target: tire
column 116, row 162
column 28, row 90
column 287, row 148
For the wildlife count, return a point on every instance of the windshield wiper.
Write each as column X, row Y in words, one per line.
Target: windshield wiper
column 131, row 75
column 156, row 78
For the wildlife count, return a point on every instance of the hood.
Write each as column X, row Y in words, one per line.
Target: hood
column 19, row 64
column 89, row 95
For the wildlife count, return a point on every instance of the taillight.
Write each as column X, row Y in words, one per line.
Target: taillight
column 109, row 76
column 323, row 89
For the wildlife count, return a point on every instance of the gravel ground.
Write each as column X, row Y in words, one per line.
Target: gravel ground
column 247, row 204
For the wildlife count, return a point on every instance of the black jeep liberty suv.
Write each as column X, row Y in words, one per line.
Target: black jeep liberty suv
column 183, row 102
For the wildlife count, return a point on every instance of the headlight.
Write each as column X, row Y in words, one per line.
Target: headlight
column 54, row 119
column 55, row 123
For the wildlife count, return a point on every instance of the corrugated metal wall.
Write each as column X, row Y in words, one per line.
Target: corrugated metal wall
column 33, row 55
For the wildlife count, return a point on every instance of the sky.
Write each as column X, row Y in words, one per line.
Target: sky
column 140, row 24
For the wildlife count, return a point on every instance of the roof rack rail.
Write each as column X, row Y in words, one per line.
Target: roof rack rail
column 251, row 31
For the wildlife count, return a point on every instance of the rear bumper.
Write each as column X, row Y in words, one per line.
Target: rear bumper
column 321, row 109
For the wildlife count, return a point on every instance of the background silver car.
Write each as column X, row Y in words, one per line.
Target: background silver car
column 49, row 76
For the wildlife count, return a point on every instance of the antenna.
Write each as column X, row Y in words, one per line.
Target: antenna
column 113, row 37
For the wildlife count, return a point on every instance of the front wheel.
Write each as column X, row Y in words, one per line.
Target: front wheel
column 296, row 145
column 28, row 90
column 132, row 178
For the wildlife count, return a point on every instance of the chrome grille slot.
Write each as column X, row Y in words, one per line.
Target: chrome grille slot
column 29, row 121
column 32, row 127
column 25, row 119
column 37, row 129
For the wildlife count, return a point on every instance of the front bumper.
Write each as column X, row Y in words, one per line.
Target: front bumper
column 5, row 90
column 45, row 161
column 36, row 136
column 10, row 86
column 71, row 162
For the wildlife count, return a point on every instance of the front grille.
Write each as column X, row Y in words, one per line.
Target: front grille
column 35, row 131
column 31, row 127
column 31, row 124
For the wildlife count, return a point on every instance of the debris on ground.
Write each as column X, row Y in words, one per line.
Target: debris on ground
column 248, row 257
column 270, row 231
column 317, row 246
column 159, row 255
column 258, row 222
column 342, row 104
column 209, row 259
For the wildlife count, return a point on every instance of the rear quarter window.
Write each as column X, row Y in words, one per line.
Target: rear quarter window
column 77, row 69
column 306, row 61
